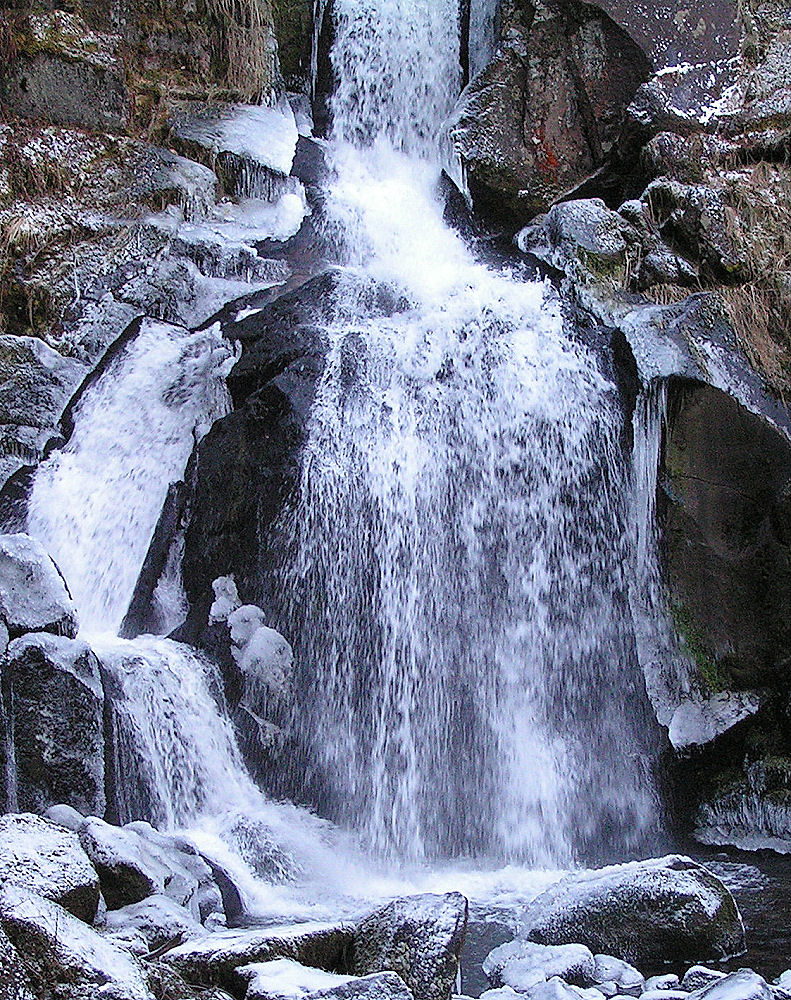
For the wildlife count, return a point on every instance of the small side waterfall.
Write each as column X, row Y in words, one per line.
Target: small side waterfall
column 95, row 503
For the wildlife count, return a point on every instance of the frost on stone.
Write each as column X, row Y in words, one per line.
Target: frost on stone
column 68, row 950
column 699, row 721
column 608, row 969
column 523, row 964
column 283, row 977
column 742, row 985
column 42, row 857
column 264, row 657
column 33, row 594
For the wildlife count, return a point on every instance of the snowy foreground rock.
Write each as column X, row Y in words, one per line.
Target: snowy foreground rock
column 663, row 910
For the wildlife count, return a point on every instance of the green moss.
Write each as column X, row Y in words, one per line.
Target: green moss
column 709, row 671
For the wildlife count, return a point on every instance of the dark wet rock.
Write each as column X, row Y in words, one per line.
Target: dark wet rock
column 419, row 937
column 14, row 971
column 158, row 919
column 248, row 463
column 66, row 74
column 33, row 594
column 546, row 112
column 215, row 960
column 47, row 859
column 666, row 909
column 59, row 949
column 135, row 862
column 56, row 706
column 727, row 512
column 513, row 964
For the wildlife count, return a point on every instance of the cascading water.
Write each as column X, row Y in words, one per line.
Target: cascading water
column 460, row 552
column 95, row 503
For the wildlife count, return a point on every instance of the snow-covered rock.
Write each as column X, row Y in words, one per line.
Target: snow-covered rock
column 610, row 969
column 214, row 960
column 665, row 982
column 696, row 722
column 226, row 599
column 157, row 919
column 418, row 937
column 286, row 979
column 660, row 910
column 136, row 861
column 664, row 994
column 62, row 949
column 33, row 595
column 698, row 976
column 553, row 989
column 516, row 964
column 57, row 713
column 65, row 815
column 48, row 859
column 742, row 985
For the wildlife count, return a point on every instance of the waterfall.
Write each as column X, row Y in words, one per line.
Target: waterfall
column 457, row 585
column 95, row 503
column 460, row 549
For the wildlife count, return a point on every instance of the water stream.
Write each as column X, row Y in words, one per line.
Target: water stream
column 464, row 539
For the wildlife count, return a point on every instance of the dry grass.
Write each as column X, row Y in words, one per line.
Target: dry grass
column 668, row 295
column 247, row 46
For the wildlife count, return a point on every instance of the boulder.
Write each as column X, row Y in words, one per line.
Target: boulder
column 554, row 989
column 511, row 964
column 698, row 976
column 48, row 859
column 418, row 937
column 158, row 919
column 608, row 969
column 135, row 862
column 669, row 981
column 663, row 910
column 700, row 720
column 286, row 979
column 547, row 110
column 59, row 949
column 252, row 147
column 742, row 985
column 64, row 815
column 57, row 717
column 215, row 960
column 33, row 594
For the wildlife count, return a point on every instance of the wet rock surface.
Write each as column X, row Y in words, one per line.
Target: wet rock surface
column 56, row 711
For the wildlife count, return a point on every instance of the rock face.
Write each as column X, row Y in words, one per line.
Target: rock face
column 668, row 909
column 56, row 710
column 29, row 418
column 68, row 74
column 33, row 595
column 548, row 109
column 419, row 937
column 727, row 513
column 48, row 859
